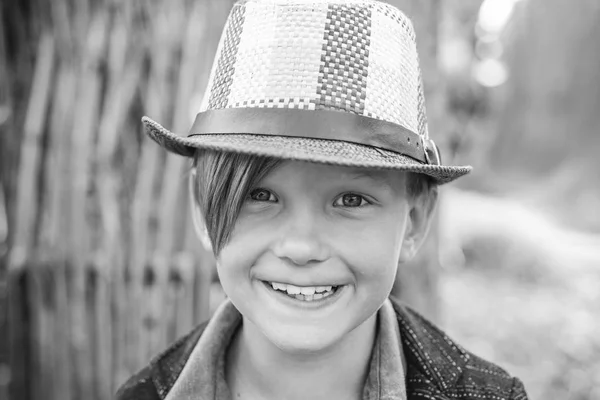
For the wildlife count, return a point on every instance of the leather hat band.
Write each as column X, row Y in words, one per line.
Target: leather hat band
column 316, row 124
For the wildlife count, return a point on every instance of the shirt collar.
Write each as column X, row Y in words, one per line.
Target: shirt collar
column 386, row 379
column 203, row 377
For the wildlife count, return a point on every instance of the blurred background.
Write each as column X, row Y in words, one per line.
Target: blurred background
column 99, row 265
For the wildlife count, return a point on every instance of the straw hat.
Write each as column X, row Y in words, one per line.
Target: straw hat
column 332, row 81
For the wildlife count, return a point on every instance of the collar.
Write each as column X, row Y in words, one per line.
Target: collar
column 434, row 362
column 203, row 375
column 387, row 372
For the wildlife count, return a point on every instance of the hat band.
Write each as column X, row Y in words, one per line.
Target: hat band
column 315, row 124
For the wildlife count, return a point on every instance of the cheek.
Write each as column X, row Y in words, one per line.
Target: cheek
column 238, row 256
column 234, row 267
column 374, row 250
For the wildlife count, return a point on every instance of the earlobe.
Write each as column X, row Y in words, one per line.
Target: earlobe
column 417, row 225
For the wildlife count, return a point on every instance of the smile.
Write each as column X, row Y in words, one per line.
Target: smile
column 303, row 293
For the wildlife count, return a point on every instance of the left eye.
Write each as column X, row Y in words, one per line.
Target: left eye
column 262, row 195
column 351, row 200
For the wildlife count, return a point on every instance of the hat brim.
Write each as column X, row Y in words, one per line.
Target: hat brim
column 324, row 151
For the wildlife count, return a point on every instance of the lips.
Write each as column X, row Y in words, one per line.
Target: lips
column 304, row 293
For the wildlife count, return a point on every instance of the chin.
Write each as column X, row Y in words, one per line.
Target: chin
column 302, row 341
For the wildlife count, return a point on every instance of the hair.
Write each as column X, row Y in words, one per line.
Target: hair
column 418, row 185
column 222, row 180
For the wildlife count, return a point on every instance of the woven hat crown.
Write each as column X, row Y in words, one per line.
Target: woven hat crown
column 352, row 56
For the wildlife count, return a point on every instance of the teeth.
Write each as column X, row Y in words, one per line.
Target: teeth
column 321, row 289
column 308, row 291
column 291, row 289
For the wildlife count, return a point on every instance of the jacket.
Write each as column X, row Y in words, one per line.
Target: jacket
column 437, row 367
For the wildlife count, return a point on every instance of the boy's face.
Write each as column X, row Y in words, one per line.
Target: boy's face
column 313, row 228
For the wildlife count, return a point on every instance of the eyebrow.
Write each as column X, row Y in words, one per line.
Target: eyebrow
column 370, row 175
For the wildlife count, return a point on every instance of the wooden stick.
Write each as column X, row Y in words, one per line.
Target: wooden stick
column 102, row 328
column 56, row 174
column 41, row 331
column 63, row 374
column 28, row 191
column 81, row 21
column 85, row 125
column 20, row 357
column 123, row 84
column 62, row 25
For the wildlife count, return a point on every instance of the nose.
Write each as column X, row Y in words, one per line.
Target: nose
column 300, row 241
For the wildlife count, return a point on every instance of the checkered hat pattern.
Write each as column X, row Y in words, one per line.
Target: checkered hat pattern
column 358, row 57
column 353, row 56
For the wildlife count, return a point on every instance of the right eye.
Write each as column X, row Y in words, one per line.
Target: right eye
column 262, row 195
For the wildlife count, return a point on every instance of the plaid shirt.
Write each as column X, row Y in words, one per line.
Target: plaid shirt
column 437, row 367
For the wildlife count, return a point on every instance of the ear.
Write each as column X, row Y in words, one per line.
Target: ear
column 418, row 223
column 197, row 217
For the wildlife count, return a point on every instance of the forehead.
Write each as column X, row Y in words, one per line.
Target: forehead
column 318, row 172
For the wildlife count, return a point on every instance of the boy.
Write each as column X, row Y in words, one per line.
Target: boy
column 315, row 178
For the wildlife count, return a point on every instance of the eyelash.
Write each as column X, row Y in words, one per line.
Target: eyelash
column 259, row 190
column 363, row 200
column 272, row 199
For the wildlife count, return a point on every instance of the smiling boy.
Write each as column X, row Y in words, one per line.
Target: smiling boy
column 315, row 177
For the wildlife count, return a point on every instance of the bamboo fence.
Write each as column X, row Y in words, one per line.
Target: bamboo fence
column 103, row 269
